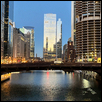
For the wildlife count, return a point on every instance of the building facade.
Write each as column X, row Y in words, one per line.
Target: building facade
column 65, row 49
column 49, row 47
column 73, row 22
column 20, row 44
column 27, row 48
column 88, row 30
column 59, row 40
column 2, row 27
column 71, row 55
column 30, row 29
column 7, row 15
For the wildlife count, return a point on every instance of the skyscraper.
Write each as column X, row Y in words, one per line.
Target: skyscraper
column 65, row 50
column 88, row 30
column 49, row 48
column 73, row 23
column 2, row 27
column 59, row 40
column 29, row 29
column 19, row 44
column 7, row 8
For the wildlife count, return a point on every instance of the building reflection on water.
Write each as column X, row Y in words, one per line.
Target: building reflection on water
column 49, row 85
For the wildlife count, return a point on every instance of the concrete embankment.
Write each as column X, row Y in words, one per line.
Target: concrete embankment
column 5, row 77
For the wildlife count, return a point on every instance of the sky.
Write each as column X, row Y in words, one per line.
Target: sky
column 31, row 13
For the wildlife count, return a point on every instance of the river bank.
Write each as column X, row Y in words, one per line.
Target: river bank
column 5, row 77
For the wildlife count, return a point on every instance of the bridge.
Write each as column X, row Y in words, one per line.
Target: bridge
column 6, row 68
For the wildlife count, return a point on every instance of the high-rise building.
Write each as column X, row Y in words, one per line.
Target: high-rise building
column 65, row 50
column 27, row 51
column 88, row 30
column 49, row 47
column 20, row 44
column 59, row 40
column 29, row 29
column 2, row 27
column 7, row 11
column 73, row 23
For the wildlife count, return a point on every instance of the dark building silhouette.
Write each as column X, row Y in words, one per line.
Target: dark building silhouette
column 7, row 33
column 71, row 52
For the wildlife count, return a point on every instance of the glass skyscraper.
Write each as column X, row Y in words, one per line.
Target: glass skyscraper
column 59, row 39
column 7, row 14
column 29, row 29
column 49, row 48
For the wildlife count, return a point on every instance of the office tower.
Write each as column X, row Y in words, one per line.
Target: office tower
column 20, row 45
column 88, row 30
column 27, row 51
column 73, row 23
column 59, row 40
column 2, row 27
column 49, row 47
column 7, row 8
column 29, row 29
column 14, row 25
column 65, row 50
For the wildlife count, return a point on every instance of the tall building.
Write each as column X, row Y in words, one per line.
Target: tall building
column 27, row 50
column 7, row 11
column 65, row 50
column 70, row 52
column 88, row 30
column 20, row 46
column 2, row 27
column 59, row 40
column 73, row 23
column 49, row 47
column 29, row 29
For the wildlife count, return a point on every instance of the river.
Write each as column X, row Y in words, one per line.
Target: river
column 50, row 86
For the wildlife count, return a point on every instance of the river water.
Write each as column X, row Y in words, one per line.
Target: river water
column 50, row 86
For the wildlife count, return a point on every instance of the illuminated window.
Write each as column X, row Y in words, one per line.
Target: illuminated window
column 96, row 1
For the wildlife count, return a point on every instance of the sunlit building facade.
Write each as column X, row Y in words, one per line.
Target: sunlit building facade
column 49, row 47
column 7, row 15
column 29, row 29
column 88, row 30
column 59, row 40
column 19, row 44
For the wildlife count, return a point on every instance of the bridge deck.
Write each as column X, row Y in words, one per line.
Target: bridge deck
column 48, row 65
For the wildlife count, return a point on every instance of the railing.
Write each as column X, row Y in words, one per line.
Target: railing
column 44, row 66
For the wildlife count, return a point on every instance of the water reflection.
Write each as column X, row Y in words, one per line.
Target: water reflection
column 86, row 83
column 49, row 86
